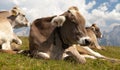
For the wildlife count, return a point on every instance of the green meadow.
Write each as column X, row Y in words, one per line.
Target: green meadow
column 21, row 62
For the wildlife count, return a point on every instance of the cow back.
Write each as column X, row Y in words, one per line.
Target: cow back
column 4, row 14
column 5, row 26
column 41, row 30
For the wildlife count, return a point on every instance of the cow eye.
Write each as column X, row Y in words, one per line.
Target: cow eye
column 68, row 11
column 23, row 15
column 18, row 13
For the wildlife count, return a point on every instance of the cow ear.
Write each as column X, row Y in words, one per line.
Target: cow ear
column 58, row 21
column 14, row 12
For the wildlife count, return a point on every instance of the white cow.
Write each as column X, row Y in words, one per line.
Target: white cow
column 14, row 18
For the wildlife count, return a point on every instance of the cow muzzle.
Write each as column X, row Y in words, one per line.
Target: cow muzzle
column 27, row 24
column 84, row 41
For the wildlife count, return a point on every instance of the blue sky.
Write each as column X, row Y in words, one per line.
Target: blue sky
column 105, row 13
column 111, row 3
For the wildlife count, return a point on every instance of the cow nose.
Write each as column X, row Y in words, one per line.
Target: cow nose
column 87, row 41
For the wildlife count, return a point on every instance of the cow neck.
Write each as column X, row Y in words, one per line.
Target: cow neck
column 64, row 45
column 11, row 19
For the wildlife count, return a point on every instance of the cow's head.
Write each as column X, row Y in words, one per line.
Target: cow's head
column 72, row 27
column 96, row 30
column 18, row 18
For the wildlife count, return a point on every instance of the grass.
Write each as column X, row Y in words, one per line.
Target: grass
column 21, row 62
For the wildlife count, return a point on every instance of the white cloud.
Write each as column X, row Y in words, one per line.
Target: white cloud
column 98, row 13
column 113, row 25
column 103, row 17
column 17, row 2
column 44, row 8
column 114, row 14
column 6, row 4
column 102, row 13
column 90, row 5
column 41, row 8
column 117, row 8
column 103, row 7
column 101, row 22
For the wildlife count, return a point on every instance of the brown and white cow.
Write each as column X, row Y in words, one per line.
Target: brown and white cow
column 53, row 37
column 14, row 18
column 94, row 32
column 86, row 51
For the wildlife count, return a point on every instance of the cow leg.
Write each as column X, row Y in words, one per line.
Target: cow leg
column 6, row 45
column 93, row 53
column 88, row 56
column 41, row 55
column 72, row 51
column 8, row 51
column 97, row 45
column 16, row 39
column 98, row 55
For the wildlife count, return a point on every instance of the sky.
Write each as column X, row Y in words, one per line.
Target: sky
column 105, row 13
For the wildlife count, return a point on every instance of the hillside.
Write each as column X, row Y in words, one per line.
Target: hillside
column 21, row 62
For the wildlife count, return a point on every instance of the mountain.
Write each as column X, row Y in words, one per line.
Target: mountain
column 111, row 38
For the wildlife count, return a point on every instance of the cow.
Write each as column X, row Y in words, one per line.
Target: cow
column 86, row 51
column 94, row 32
column 14, row 18
column 54, row 37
